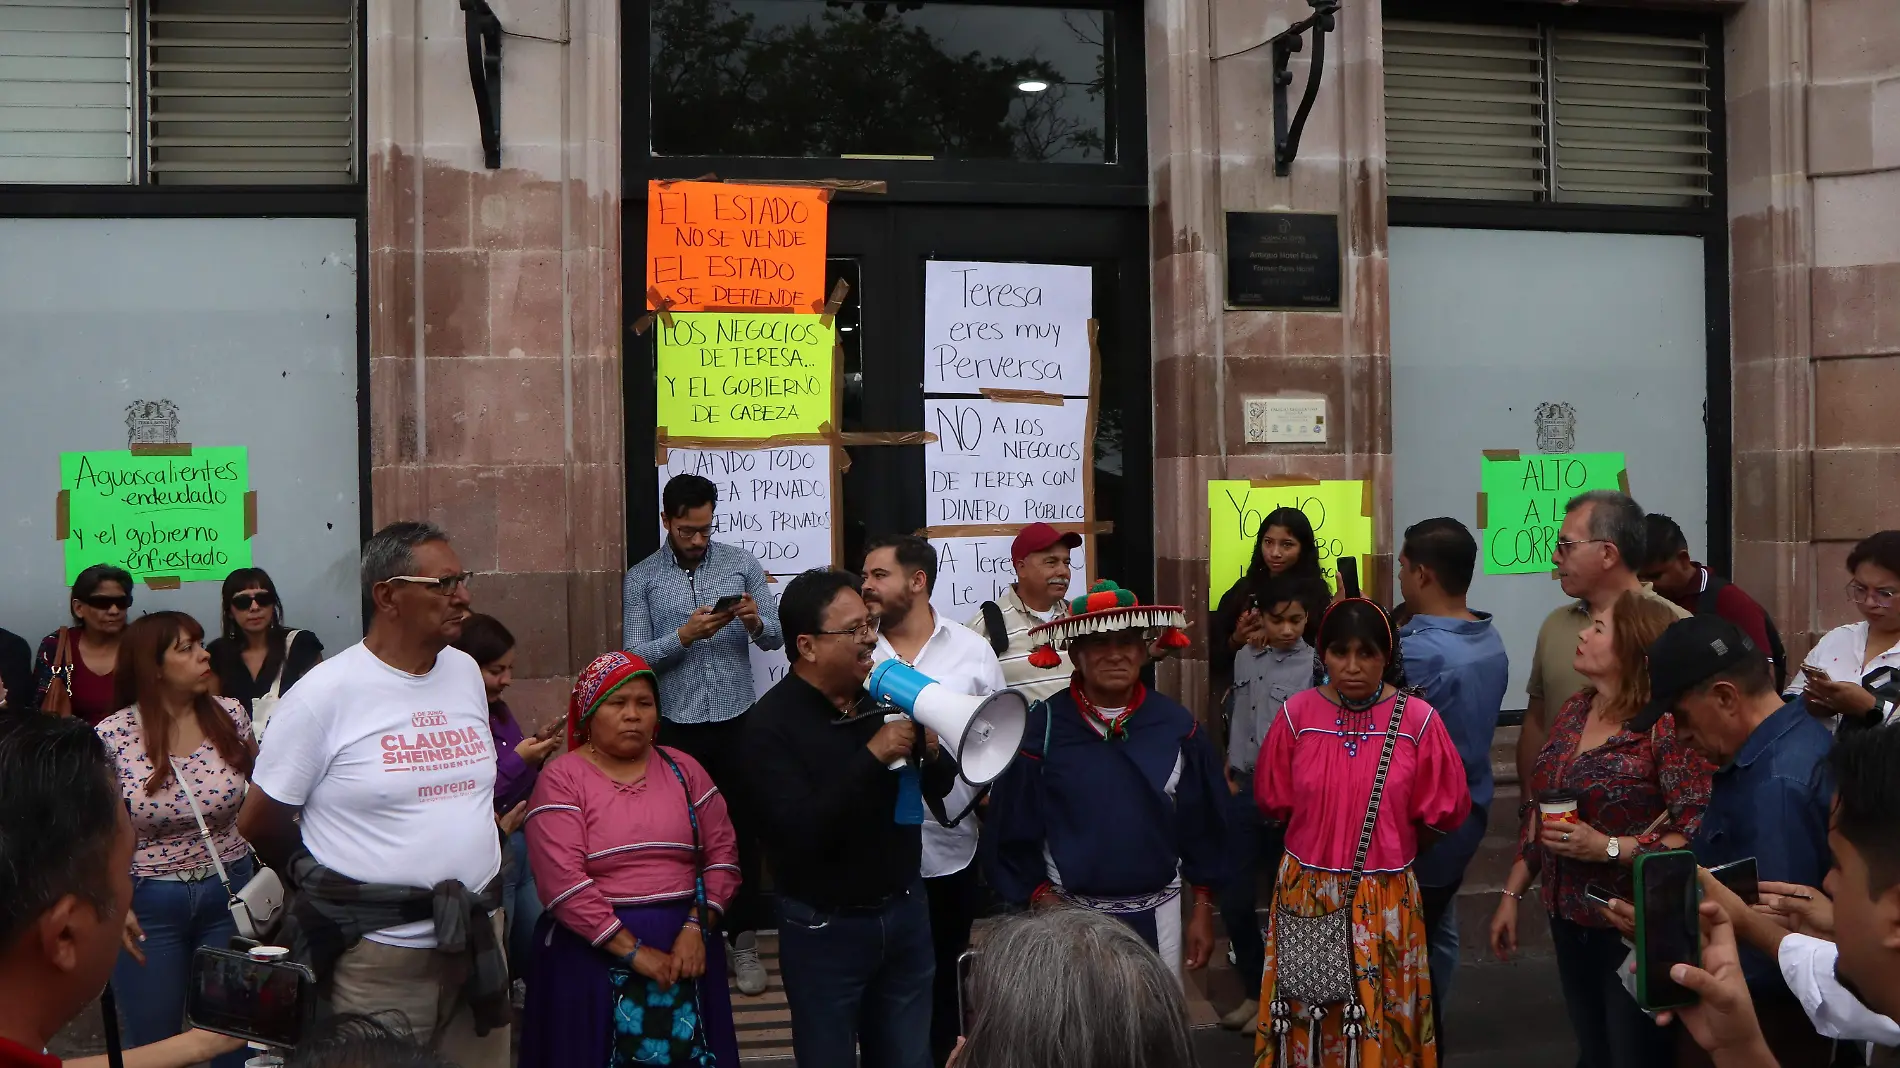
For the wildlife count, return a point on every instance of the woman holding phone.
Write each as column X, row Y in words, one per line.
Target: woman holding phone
column 1834, row 678
column 1601, row 795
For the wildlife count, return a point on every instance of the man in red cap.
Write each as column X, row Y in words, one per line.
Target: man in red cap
column 1041, row 557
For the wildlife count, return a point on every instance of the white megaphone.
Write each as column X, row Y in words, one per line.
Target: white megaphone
column 982, row 733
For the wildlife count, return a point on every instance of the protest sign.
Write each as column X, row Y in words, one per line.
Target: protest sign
column 180, row 517
column 773, row 503
column 1521, row 503
column 1005, row 462
column 973, row 570
column 1339, row 511
column 744, row 375
column 725, row 245
column 1006, row 326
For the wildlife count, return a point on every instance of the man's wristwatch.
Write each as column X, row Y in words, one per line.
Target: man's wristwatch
column 1614, row 848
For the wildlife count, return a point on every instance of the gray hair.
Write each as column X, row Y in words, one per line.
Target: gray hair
column 1071, row 988
column 391, row 551
column 1615, row 518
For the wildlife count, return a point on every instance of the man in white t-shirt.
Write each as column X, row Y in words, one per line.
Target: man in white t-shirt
column 385, row 750
column 899, row 573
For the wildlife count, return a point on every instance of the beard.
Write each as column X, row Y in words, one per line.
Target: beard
column 893, row 611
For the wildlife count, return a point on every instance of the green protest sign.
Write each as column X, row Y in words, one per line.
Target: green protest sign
column 160, row 517
column 1521, row 504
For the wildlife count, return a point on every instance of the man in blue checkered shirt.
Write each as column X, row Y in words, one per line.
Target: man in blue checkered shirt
column 691, row 611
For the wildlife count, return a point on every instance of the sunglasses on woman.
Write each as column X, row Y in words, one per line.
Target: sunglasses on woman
column 244, row 602
column 106, row 602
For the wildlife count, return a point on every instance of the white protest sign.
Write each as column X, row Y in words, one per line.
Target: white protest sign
column 1005, row 462
column 973, row 570
column 769, row 665
column 773, row 503
column 1006, row 326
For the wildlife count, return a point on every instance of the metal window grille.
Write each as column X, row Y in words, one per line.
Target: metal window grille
column 1464, row 111
column 251, row 92
column 66, row 91
column 1631, row 118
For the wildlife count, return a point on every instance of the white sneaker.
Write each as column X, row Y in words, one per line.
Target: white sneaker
column 742, row 957
column 1244, row 1017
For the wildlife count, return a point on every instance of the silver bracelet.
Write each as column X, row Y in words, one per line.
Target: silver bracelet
column 1513, row 895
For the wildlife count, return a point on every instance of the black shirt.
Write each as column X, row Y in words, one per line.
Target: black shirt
column 16, row 671
column 827, row 806
column 234, row 677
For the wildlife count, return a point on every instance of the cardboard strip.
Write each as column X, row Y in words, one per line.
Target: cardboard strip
column 830, row 185
column 62, row 516
column 1623, row 481
column 1282, row 480
column 1021, row 396
column 170, row 448
column 1484, row 511
column 828, row 309
column 707, row 177
column 1008, row 530
column 1365, row 498
column 1500, row 454
column 662, row 307
column 162, row 582
column 250, row 514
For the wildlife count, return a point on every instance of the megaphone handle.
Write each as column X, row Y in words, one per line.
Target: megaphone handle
column 901, row 762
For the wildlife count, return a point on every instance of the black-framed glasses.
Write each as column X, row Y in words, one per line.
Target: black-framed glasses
column 105, row 602
column 866, row 629
column 244, row 602
column 1564, row 545
column 442, row 584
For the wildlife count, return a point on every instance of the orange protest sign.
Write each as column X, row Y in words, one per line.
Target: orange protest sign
column 722, row 246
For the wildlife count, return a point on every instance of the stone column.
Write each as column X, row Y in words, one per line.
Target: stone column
column 494, row 314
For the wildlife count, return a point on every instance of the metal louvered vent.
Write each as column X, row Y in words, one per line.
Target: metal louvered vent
column 65, row 91
column 1464, row 110
column 252, row 92
column 1632, row 118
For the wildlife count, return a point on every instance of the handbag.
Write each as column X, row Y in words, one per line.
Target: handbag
column 1313, row 954
column 259, row 907
column 59, row 693
column 262, row 707
column 663, row 1025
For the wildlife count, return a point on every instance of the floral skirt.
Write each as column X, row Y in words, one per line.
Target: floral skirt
column 1395, row 983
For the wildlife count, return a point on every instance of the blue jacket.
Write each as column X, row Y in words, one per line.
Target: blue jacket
column 1459, row 665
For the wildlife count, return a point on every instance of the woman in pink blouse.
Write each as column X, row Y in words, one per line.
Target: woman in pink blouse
column 610, row 839
column 172, row 735
column 1316, row 773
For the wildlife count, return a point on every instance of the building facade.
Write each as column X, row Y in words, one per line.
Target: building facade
column 1673, row 229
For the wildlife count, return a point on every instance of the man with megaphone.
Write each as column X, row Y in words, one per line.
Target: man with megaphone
column 899, row 574
column 1118, row 799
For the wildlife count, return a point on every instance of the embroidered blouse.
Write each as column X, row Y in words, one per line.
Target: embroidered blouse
column 597, row 845
column 168, row 840
column 1620, row 786
column 1308, row 778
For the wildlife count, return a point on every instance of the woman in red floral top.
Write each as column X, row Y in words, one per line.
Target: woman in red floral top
column 1635, row 793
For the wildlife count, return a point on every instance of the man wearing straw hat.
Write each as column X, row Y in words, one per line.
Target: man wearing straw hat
column 1118, row 803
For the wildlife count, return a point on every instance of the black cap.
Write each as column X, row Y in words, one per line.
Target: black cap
column 1685, row 656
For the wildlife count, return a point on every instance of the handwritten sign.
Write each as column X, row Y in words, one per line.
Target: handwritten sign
column 773, row 503
column 157, row 516
column 973, row 570
column 1236, row 508
column 1006, row 326
column 1521, row 504
column 1002, row 462
column 724, row 245
column 725, row 375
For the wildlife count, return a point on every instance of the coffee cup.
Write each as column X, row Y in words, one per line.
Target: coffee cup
column 1558, row 809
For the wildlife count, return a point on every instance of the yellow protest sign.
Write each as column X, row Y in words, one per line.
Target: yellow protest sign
column 744, row 375
column 1236, row 508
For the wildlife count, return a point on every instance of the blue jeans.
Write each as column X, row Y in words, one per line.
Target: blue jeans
column 1253, row 845
column 522, row 904
column 859, row 979
column 177, row 917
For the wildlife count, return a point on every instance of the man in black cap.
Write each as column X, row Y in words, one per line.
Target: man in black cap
column 1770, row 796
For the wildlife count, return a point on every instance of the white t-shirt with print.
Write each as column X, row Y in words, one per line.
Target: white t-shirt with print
column 395, row 774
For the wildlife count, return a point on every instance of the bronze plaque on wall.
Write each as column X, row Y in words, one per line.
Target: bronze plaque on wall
column 1283, row 261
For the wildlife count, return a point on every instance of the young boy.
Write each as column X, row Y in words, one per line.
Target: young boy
column 1275, row 664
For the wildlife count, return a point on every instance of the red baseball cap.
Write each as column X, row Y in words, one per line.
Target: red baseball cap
column 1039, row 536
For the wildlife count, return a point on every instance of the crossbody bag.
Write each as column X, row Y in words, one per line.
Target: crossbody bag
column 262, row 707
column 1314, row 953
column 656, row 1024
column 258, row 908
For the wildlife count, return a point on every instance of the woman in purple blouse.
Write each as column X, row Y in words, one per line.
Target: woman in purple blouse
column 518, row 761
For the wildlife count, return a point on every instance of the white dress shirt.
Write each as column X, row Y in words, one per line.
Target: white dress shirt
column 1807, row 964
column 961, row 662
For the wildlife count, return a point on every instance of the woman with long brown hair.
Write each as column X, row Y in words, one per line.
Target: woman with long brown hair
column 177, row 747
column 1602, row 794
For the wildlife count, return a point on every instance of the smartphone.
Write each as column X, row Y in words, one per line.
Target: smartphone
column 966, row 999
column 1349, row 575
column 728, row 602
column 1668, row 930
column 1816, row 673
column 1741, row 877
column 268, row 1002
column 1598, row 896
